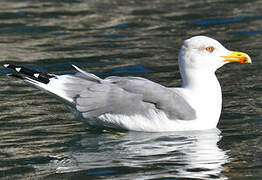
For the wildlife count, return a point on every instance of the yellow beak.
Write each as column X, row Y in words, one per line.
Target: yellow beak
column 237, row 57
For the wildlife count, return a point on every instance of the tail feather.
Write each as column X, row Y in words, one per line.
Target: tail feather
column 86, row 75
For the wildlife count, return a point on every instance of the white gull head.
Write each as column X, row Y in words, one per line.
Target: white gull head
column 203, row 53
column 199, row 58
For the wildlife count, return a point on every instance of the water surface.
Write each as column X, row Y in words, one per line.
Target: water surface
column 40, row 138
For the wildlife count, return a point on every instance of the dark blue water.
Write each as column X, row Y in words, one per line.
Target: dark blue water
column 40, row 138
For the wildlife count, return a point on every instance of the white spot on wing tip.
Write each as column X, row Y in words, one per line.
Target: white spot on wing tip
column 36, row 75
column 6, row 65
column 18, row 69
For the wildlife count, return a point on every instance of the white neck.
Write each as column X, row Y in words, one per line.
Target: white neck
column 203, row 92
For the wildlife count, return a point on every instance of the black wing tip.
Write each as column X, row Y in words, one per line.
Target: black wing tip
column 21, row 71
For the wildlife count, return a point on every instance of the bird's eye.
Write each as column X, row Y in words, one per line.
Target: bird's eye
column 210, row 49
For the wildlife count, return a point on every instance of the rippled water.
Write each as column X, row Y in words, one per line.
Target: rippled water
column 40, row 139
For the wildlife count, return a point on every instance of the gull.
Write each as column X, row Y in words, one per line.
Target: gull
column 138, row 104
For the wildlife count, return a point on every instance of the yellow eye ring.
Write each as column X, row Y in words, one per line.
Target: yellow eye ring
column 210, row 49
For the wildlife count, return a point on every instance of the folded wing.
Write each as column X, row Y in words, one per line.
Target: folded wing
column 131, row 95
column 92, row 96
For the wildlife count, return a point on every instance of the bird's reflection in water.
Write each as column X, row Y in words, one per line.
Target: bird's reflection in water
column 176, row 154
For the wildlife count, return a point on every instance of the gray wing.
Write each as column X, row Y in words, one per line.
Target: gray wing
column 128, row 95
column 163, row 98
column 102, row 98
